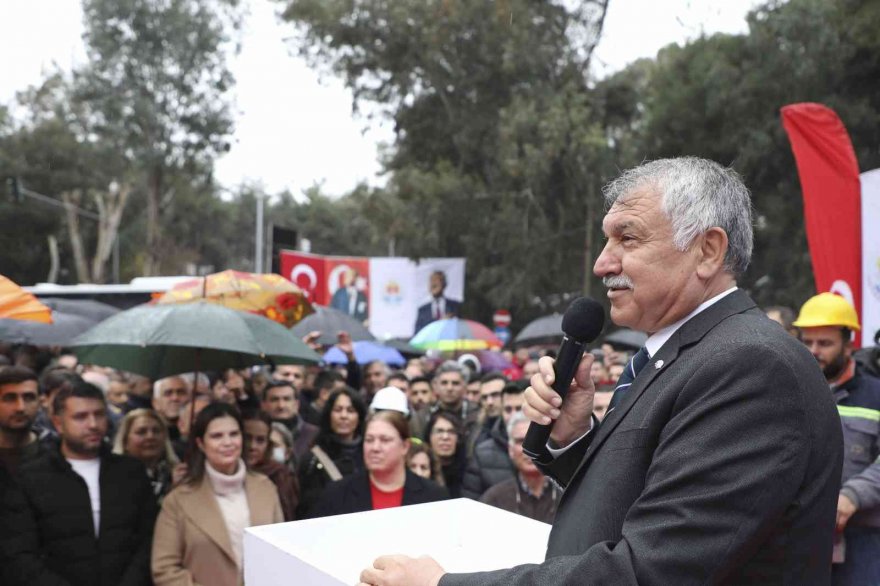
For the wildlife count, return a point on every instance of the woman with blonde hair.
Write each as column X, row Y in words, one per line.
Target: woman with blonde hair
column 143, row 435
column 200, row 531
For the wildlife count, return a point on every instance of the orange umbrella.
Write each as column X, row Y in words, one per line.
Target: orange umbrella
column 16, row 303
column 269, row 295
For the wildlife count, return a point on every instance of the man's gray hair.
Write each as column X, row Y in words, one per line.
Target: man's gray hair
column 453, row 366
column 159, row 385
column 517, row 417
column 697, row 194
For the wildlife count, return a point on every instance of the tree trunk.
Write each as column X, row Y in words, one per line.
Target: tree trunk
column 111, row 204
column 154, row 194
column 72, row 200
column 53, row 259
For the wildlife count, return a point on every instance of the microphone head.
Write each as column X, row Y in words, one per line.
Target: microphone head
column 584, row 319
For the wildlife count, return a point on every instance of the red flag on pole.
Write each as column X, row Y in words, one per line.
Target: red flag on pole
column 829, row 175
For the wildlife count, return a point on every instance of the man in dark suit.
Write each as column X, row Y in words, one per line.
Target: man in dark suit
column 439, row 307
column 719, row 459
column 349, row 299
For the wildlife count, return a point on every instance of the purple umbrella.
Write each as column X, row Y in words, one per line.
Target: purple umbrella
column 366, row 351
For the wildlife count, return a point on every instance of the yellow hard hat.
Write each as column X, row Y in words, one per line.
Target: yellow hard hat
column 827, row 309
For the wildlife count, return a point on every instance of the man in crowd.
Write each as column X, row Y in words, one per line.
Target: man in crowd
column 826, row 322
column 490, row 462
column 439, row 306
column 448, row 385
column 19, row 404
column 421, row 394
column 295, row 374
column 376, row 375
column 80, row 514
column 399, row 380
column 140, row 394
column 528, row 492
column 280, row 402
column 117, row 393
column 490, row 387
column 51, row 382
column 720, row 457
column 602, row 399
column 170, row 395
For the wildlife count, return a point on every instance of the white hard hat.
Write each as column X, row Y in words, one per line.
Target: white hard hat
column 391, row 399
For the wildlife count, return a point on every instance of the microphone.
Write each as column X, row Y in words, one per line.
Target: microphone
column 581, row 324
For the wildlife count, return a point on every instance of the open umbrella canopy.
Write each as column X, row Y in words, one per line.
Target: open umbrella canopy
column 61, row 332
column 330, row 322
column 87, row 308
column 455, row 334
column 366, row 351
column 16, row 303
column 404, row 347
column 268, row 294
column 161, row 340
column 546, row 329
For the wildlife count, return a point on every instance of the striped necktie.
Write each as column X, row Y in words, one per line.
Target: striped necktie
column 638, row 362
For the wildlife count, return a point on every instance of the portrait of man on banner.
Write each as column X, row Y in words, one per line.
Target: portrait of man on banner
column 347, row 284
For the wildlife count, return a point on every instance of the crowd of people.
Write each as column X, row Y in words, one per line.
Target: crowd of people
column 111, row 478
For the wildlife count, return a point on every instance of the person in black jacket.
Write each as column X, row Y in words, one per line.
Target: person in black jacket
column 339, row 445
column 491, row 464
column 386, row 482
column 79, row 515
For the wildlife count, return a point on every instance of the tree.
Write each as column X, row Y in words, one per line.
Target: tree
column 495, row 143
column 156, row 83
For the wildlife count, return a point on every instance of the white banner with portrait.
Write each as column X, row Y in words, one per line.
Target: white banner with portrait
column 870, row 255
column 399, row 286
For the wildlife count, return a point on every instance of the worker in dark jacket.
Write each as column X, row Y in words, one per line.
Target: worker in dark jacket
column 826, row 322
column 490, row 464
column 80, row 515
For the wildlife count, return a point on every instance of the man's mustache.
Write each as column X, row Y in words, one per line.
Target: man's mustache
column 617, row 282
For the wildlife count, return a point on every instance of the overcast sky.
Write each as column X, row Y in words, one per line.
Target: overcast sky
column 293, row 129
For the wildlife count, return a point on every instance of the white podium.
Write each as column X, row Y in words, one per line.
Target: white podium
column 462, row 535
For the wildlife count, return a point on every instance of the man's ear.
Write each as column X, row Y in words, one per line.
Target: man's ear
column 712, row 250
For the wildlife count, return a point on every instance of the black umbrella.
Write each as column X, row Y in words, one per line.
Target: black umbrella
column 87, row 308
column 544, row 330
column 330, row 322
column 161, row 340
column 61, row 332
column 626, row 338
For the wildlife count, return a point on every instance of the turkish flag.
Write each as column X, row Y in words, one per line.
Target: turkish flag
column 829, row 175
column 308, row 272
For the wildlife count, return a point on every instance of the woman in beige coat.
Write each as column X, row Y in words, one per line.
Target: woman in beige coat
column 199, row 533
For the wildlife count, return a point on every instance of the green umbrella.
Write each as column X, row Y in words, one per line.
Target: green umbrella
column 161, row 340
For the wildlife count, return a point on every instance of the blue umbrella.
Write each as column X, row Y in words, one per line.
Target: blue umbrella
column 366, row 351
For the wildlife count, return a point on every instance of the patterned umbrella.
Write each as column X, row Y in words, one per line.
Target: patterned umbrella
column 455, row 334
column 269, row 295
column 16, row 303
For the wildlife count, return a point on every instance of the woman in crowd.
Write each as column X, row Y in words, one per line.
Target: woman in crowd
column 282, row 446
column 143, row 435
column 199, row 532
column 421, row 461
column 444, row 435
column 386, row 482
column 338, row 451
column 258, row 456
